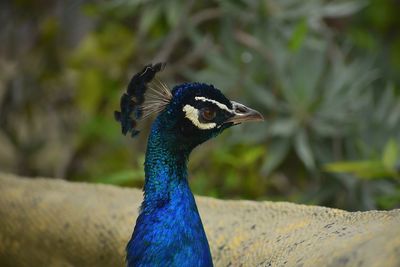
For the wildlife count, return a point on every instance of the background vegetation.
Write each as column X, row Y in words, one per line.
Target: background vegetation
column 324, row 73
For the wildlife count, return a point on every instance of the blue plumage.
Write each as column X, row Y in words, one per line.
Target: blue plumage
column 169, row 231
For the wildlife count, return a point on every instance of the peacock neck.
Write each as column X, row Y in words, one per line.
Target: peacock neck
column 165, row 170
column 168, row 231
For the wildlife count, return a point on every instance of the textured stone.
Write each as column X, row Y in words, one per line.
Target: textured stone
column 47, row 222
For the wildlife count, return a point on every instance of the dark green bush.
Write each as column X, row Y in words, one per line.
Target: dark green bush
column 324, row 73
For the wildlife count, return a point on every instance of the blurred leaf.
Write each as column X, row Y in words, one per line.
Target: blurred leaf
column 389, row 201
column 284, row 127
column 299, row 35
column 303, row 149
column 251, row 156
column 361, row 169
column 152, row 12
column 265, row 97
column 90, row 95
column 173, row 12
column 105, row 128
column 335, row 9
column 390, row 154
column 276, row 152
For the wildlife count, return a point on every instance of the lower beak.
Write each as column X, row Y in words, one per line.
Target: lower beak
column 244, row 114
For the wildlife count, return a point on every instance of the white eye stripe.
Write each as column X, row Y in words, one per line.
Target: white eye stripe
column 193, row 115
column 220, row 105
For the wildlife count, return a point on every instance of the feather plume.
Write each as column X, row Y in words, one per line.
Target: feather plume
column 143, row 97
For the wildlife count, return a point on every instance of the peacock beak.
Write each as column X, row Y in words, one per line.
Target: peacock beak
column 244, row 114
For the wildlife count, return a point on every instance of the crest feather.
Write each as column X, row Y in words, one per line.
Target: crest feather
column 138, row 102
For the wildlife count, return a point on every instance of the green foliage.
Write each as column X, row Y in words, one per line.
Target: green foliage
column 387, row 166
column 324, row 73
column 235, row 172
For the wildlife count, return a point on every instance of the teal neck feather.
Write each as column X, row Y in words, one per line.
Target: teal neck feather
column 165, row 169
column 169, row 231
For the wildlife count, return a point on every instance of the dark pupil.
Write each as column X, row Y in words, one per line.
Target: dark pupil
column 208, row 114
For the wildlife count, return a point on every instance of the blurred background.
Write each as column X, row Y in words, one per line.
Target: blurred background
column 326, row 75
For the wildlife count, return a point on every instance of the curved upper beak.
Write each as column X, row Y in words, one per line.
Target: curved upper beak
column 244, row 114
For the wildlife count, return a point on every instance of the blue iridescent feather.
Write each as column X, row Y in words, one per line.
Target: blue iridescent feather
column 168, row 231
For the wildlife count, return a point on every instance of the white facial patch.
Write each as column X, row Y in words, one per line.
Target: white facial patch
column 220, row 105
column 192, row 114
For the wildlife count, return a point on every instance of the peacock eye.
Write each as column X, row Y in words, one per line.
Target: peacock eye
column 208, row 114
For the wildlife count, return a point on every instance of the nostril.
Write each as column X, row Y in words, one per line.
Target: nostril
column 240, row 109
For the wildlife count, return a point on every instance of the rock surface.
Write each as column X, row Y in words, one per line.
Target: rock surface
column 47, row 222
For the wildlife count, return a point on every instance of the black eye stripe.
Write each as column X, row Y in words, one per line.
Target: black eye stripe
column 200, row 105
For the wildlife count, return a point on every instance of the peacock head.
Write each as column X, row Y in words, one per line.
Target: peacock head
column 188, row 115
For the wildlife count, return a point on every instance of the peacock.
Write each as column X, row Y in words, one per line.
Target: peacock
column 169, row 230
